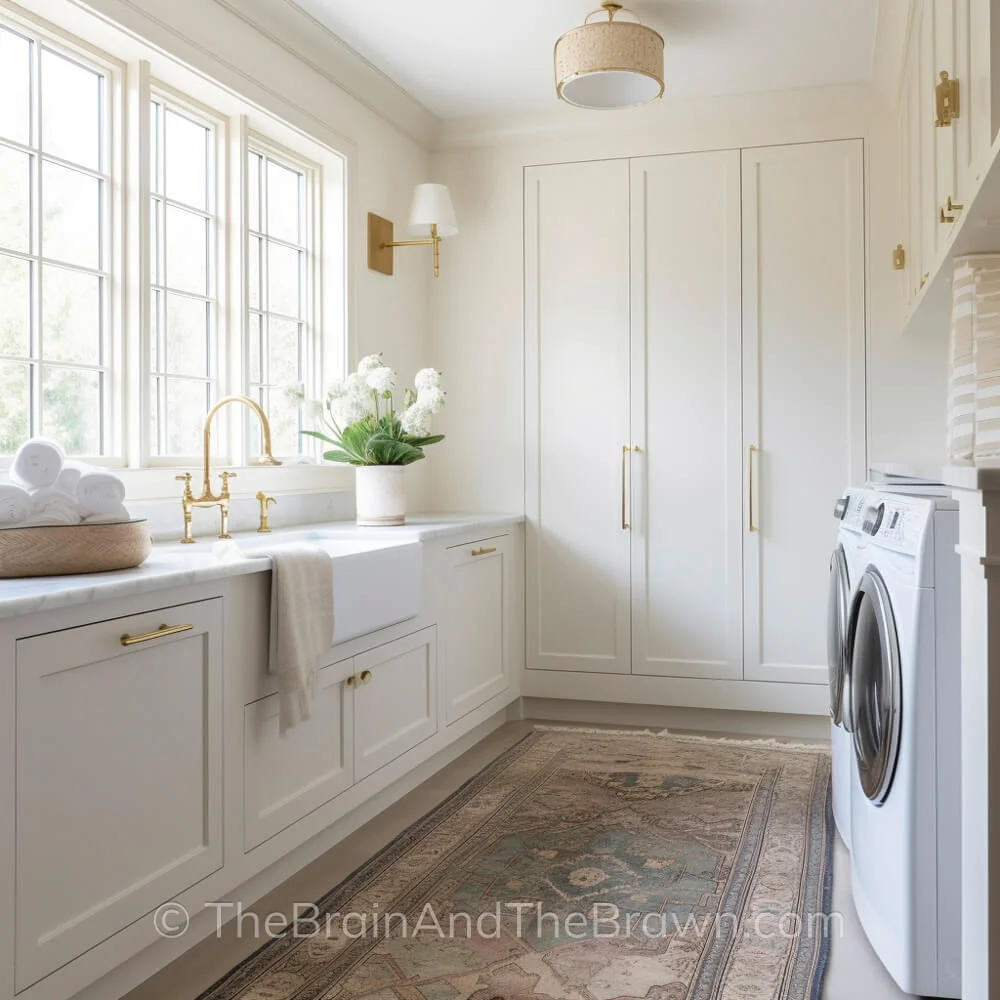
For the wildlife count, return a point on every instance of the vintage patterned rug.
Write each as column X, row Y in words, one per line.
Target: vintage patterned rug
column 584, row 866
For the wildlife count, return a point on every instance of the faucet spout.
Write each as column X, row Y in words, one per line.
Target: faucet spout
column 267, row 458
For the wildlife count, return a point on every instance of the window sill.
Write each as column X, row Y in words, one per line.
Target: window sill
column 161, row 484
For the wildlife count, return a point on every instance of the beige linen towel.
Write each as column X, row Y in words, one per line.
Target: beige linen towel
column 962, row 362
column 301, row 626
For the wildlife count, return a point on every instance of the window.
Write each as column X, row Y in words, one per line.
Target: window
column 55, row 246
column 183, row 347
column 147, row 272
column 278, row 266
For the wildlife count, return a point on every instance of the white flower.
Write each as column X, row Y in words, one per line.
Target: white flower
column 416, row 420
column 295, row 395
column 431, row 398
column 427, row 378
column 382, row 380
column 349, row 400
column 369, row 364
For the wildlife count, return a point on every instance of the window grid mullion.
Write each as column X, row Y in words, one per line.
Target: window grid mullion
column 35, row 242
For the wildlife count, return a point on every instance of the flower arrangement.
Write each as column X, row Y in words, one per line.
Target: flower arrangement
column 361, row 422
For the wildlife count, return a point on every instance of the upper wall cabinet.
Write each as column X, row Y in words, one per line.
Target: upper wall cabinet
column 944, row 149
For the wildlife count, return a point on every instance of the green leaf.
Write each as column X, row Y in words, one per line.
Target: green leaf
column 424, row 441
column 339, row 456
column 321, row 437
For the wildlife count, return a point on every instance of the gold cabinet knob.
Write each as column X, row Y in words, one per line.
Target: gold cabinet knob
column 366, row 677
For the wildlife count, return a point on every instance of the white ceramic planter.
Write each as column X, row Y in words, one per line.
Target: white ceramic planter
column 380, row 494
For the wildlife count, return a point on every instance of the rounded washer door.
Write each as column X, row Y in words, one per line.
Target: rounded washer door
column 836, row 639
column 876, row 687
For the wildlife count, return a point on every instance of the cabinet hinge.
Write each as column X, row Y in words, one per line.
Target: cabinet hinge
column 946, row 100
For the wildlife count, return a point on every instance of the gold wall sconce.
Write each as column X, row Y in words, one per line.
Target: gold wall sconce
column 432, row 217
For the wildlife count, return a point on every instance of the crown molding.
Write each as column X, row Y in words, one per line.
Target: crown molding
column 820, row 111
column 286, row 25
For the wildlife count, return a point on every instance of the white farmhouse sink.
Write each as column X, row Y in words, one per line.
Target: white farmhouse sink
column 375, row 583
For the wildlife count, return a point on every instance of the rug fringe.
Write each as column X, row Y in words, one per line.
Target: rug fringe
column 770, row 743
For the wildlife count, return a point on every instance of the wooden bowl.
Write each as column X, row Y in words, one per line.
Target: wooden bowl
column 69, row 549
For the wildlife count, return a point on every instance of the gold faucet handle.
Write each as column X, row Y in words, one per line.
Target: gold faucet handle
column 186, row 480
column 264, row 501
column 226, row 476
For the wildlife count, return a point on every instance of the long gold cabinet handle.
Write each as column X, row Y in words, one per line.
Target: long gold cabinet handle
column 625, row 451
column 160, row 633
column 750, row 496
column 483, row 552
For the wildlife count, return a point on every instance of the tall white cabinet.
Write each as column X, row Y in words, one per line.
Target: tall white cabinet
column 695, row 362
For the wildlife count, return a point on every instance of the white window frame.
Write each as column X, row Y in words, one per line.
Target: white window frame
column 133, row 69
column 220, row 208
column 44, row 35
column 313, row 353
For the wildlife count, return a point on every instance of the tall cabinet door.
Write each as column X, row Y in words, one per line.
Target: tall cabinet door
column 576, row 299
column 803, row 391
column 686, row 420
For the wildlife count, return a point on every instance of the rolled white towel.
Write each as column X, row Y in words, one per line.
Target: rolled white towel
column 37, row 464
column 116, row 516
column 15, row 505
column 99, row 492
column 52, row 506
column 68, row 477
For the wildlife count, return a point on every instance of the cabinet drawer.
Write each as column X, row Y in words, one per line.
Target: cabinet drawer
column 287, row 777
column 119, row 766
column 395, row 702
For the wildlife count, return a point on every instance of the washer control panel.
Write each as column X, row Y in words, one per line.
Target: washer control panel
column 897, row 522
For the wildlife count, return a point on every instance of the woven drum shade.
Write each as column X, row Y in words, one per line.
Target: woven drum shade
column 609, row 64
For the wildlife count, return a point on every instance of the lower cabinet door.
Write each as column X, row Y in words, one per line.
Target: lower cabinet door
column 119, row 777
column 287, row 777
column 395, row 702
column 473, row 642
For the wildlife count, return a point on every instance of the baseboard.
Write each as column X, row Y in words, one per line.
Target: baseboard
column 697, row 720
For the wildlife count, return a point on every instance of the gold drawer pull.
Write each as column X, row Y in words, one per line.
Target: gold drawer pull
column 366, row 676
column 483, row 552
column 356, row 680
column 352, row 680
column 161, row 632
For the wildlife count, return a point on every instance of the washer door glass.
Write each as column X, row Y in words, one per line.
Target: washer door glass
column 876, row 687
column 836, row 636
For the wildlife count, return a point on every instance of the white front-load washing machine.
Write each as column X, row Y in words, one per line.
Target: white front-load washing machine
column 905, row 685
column 846, row 567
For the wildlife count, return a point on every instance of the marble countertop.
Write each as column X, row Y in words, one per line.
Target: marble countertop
column 174, row 565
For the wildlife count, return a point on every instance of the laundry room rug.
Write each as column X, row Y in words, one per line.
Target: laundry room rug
column 584, row 865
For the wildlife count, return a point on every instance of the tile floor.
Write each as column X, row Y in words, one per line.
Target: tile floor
column 854, row 972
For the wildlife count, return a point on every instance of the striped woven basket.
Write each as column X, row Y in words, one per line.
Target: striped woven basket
column 71, row 549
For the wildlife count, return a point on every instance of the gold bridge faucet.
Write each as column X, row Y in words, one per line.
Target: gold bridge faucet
column 209, row 499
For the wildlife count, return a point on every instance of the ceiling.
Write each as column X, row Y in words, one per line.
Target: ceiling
column 480, row 57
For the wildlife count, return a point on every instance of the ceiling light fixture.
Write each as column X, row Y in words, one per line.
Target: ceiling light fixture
column 604, row 65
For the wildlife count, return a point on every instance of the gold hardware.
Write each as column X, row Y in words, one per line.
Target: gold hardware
column 366, row 677
column 352, row 680
column 923, row 280
column 952, row 207
column 945, row 218
column 750, row 497
column 207, row 497
column 625, row 451
column 946, row 100
column 899, row 258
column 265, row 501
column 483, row 552
column 163, row 630
column 381, row 243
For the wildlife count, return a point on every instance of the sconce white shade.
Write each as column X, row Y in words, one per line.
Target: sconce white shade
column 432, row 206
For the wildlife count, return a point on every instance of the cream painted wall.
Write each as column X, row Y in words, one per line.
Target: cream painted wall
column 476, row 306
column 282, row 61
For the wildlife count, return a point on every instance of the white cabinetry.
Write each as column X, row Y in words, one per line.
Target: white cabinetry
column 476, row 625
column 577, row 406
column 119, row 777
column 708, row 488
column 685, row 468
column 803, row 391
column 288, row 776
column 395, row 702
